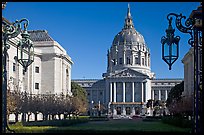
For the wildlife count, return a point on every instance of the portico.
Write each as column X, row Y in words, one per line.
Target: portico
column 140, row 86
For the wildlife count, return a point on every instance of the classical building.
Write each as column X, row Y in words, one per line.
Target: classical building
column 188, row 61
column 128, row 82
column 96, row 90
column 50, row 73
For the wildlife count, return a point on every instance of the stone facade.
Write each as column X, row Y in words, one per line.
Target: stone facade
column 50, row 73
column 96, row 91
column 128, row 82
column 188, row 62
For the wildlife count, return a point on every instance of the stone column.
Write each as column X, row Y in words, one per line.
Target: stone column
column 114, row 111
column 145, row 91
column 123, row 91
column 153, row 94
column 124, row 111
column 142, row 92
column 111, row 92
column 159, row 94
column 166, row 94
column 114, row 89
column 133, row 110
column 133, row 92
column 133, row 59
column 124, row 59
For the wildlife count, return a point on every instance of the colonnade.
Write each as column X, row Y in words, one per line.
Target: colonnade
column 113, row 91
column 160, row 94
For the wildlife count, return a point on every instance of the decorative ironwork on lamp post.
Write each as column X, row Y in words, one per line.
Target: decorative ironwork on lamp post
column 25, row 55
column 170, row 45
column 193, row 26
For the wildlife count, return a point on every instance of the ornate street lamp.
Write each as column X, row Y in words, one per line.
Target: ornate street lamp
column 25, row 54
column 25, row 49
column 193, row 26
column 170, row 45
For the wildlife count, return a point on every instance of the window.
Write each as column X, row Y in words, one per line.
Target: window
column 101, row 93
column 142, row 61
column 145, row 62
column 121, row 61
column 114, row 61
column 37, row 70
column 23, row 72
column 36, row 85
column 136, row 60
column 148, row 61
column 128, row 60
column 14, row 66
column 118, row 109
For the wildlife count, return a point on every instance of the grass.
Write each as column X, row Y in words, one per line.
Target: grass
column 112, row 126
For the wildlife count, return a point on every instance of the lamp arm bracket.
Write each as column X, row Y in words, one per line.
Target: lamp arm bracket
column 184, row 29
column 13, row 30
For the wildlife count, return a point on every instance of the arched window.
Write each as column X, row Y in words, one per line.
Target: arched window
column 143, row 61
column 128, row 60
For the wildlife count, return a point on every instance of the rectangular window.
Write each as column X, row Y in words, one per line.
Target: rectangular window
column 145, row 62
column 14, row 66
column 142, row 61
column 121, row 61
column 23, row 72
column 136, row 60
column 128, row 60
column 37, row 86
column 37, row 70
column 148, row 61
column 114, row 61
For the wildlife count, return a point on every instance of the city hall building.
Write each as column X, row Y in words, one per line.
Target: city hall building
column 128, row 82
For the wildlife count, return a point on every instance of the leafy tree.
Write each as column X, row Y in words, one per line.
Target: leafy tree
column 175, row 93
column 80, row 101
column 149, row 103
column 35, row 104
column 174, row 98
column 14, row 98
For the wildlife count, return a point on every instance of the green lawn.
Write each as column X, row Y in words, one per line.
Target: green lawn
column 104, row 126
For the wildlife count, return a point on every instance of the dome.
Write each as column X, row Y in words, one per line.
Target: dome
column 128, row 36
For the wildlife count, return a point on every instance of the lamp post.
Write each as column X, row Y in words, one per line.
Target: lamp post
column 24, row 56
column 193, row 26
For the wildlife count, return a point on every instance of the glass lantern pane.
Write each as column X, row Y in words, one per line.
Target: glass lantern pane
column 166, row 50
column 167, row 53
column 174, row 50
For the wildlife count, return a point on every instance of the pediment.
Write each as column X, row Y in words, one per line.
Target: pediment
column 128, row 73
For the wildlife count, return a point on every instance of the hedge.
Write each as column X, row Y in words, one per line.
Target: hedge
column 152, row 118
column 65, row 122
column 177, row 121
column 98, row 118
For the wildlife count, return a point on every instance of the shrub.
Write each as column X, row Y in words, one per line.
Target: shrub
column 152, row 118
column 98, row 118
column 177, row 121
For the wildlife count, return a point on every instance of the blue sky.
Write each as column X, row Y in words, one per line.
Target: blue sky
column 86, row 30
